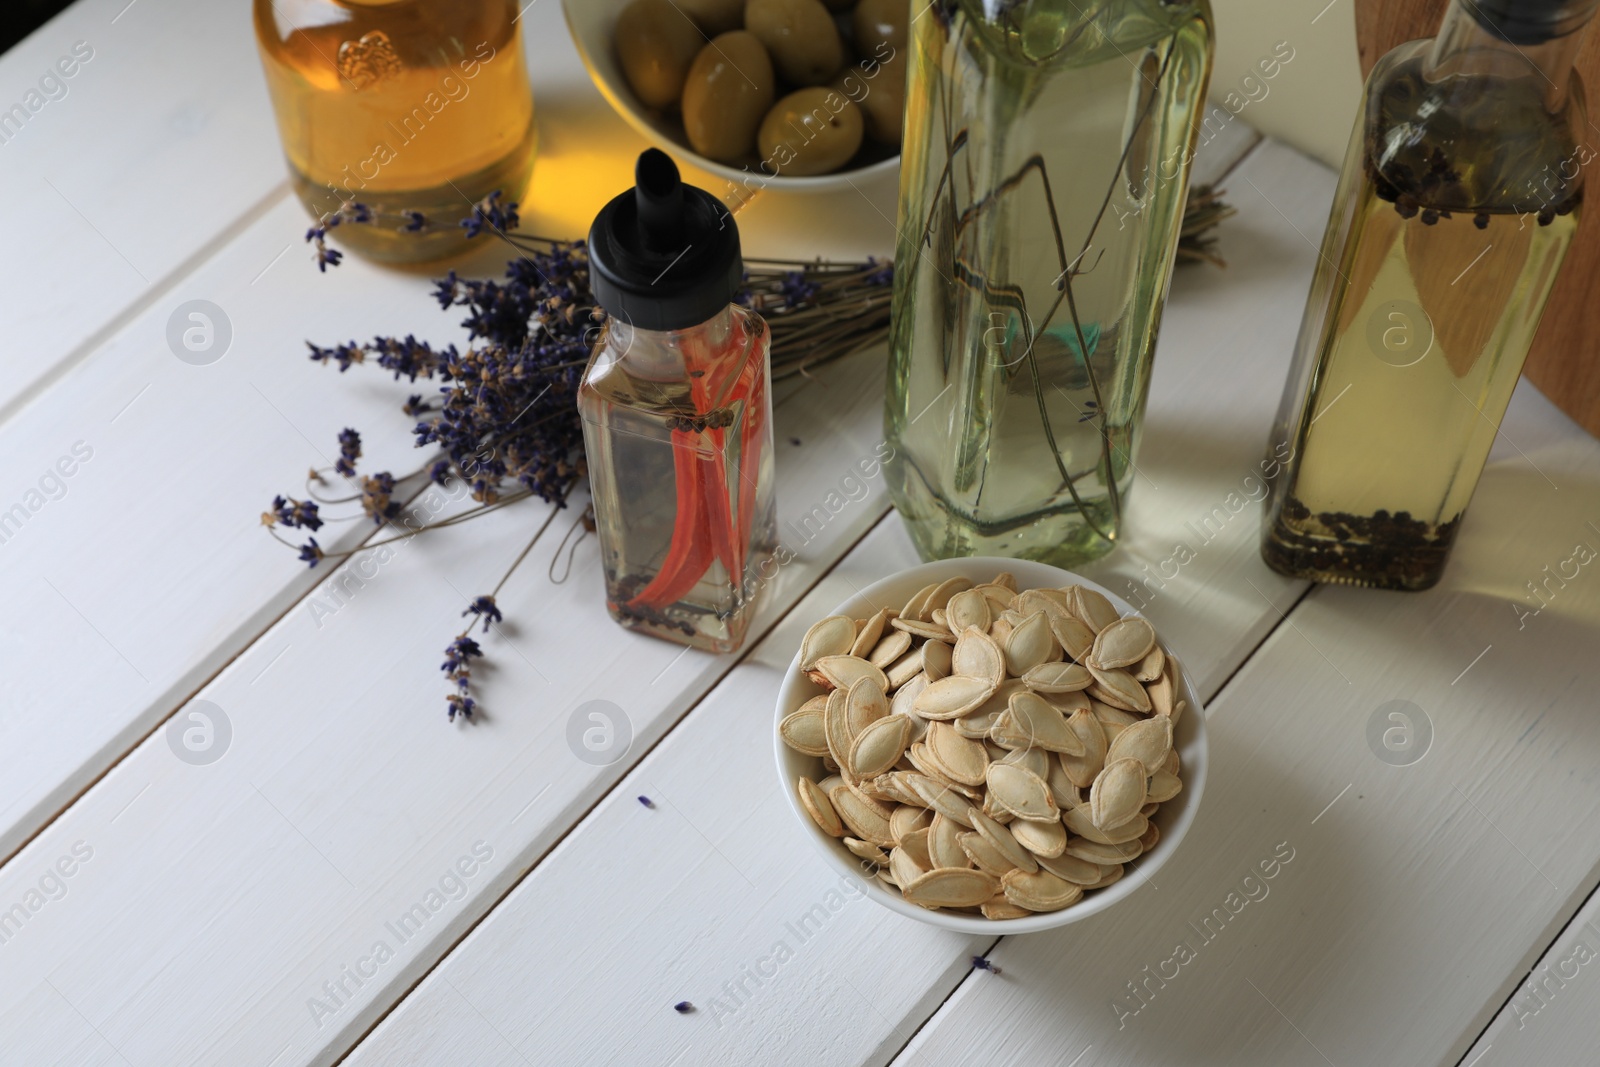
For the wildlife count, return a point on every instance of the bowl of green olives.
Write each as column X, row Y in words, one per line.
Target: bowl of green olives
column 800, row 95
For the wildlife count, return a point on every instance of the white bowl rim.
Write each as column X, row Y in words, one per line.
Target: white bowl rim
column 623, row 103
column 1180, row 811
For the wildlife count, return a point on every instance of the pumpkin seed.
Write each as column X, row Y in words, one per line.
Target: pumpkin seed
column 1164, row 786
column 1000, row 838
column 953, row 697
column 1118, row 688
column 919, row 628
column 1006, row 580
column 1073, row 636
column 1057, row 677
column 939, row 618
column 984, row 855
column 1123, row 643
column 903, row 867
column 908, row 819
column 1151, row 836
column 906, row 695
column 1044, row 840
column 977, row 656
column 867, row 850
column 879, row 746
column 936, row 660
column 869, row 820
column 915, row 607
column 884, row 654
column 1001, row 908
column 946, row 589
column 1161, row 697
column 903, row 669
column 1036, row 760
column 1032, row 722
column 868, row 631
column 842, row 672
column 1079, row 822
column 1118, row 793
column 950, row 887
column 1095, row 611
column 945, row 801
column 1103, row 854
column 819, row 807
column 999, row 597
column 1062, row 788
column 1152, row 665
column 803, row 730
column 832, row 636
column 963, row 759
column 915, row 845
column 897, row 787
column 1081, row 770
column 944, row 844
column 1147, row 741
column 1030, row 644
column 1114, row 874
column 836, row 726
column 1039, row 890
column 1021, row 791
column 968, row 608
column 1072, row 869
column 865, row 704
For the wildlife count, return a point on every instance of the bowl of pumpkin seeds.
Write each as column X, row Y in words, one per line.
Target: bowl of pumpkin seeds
column 991, row 745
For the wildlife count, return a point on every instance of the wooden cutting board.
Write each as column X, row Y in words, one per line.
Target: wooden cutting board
column 1565, row 361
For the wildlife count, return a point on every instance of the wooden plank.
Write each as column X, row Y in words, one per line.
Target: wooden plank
column 1415, row 891
column 158, row 147
column 1550, row 1016
column 671, row 916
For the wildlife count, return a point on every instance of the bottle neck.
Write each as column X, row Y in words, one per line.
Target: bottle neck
column 670, row 355
column 1478, row 38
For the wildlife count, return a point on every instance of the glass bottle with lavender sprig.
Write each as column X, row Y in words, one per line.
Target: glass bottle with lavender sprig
column 677, row 415
column 1045, row 167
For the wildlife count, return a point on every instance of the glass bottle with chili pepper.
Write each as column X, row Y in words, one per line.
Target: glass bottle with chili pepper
column 677, row 415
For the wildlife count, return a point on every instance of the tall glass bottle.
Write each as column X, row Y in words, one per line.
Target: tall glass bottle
column 414, row 108
column 677, row 416
column 1458, row 201
column 1043, row 178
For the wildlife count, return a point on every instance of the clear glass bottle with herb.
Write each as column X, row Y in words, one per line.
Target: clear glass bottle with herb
column 1043, row 177
column 414, row 109
column 677, row 415
column 1457, row 204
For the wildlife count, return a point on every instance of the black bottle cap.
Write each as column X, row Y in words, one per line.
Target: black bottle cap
column 1526, row 22
column 664, row 255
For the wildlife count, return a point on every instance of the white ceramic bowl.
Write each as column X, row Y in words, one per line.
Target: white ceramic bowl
column 591, row 22
column 1174, row 816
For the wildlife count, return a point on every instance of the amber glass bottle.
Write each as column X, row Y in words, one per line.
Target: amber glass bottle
column 414, row 108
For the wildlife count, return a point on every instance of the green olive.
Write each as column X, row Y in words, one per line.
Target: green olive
column 880, row 91
column 801, row 36
column 729, row 89
column 810, row 131
column 655, row 44
column 880, row 22
column 715, row 16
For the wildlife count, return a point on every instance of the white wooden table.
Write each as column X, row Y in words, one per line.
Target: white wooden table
column 355, row 880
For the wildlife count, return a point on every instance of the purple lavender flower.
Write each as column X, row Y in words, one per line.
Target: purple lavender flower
column 484, row 608
column 349, row 452
column 311, row 552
